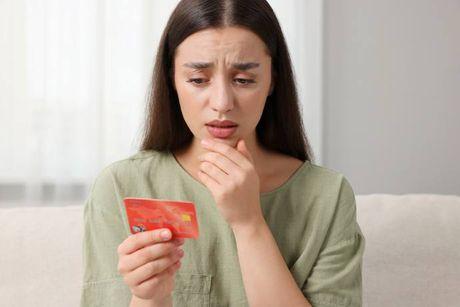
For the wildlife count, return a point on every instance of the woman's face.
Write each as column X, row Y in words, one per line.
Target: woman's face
column 210, row 85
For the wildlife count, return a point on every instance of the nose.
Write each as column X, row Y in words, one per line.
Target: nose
column 221, row 99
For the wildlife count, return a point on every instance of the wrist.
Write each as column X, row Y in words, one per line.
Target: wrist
column 252, row 229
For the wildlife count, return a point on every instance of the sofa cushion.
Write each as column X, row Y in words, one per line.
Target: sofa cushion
column 412, row 255
column 41, row 256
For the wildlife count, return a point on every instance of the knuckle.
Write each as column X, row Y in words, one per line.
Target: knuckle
column 127, row 280
column 120, row 249
column 120, row 267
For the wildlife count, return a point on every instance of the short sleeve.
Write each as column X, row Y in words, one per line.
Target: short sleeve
column 336, row 279
column 104, row 230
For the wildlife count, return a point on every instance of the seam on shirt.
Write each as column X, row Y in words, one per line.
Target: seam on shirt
column 328, row 299
column 347, row 241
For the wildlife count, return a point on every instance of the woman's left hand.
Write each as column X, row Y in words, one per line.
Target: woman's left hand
column 230, row 175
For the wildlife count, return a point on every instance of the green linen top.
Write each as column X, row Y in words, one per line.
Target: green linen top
column 312, row 217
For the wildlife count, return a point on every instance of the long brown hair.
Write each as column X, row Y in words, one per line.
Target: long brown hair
column 280, row 127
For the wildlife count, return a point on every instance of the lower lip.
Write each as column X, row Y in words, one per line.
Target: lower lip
column 220, row 132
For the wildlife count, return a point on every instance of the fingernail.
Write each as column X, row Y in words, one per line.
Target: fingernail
column 166, row 234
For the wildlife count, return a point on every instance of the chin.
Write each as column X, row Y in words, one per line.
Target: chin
column 231, row 141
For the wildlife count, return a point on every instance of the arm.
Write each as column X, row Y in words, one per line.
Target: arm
column 263, row 267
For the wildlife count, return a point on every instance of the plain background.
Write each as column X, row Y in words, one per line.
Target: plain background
column 391, row 94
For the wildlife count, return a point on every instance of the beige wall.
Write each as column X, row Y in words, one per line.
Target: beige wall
column 392, row 94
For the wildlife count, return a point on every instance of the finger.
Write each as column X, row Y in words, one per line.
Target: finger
column 212, row 184
column 147, row 254
column 221, row 161
column 151, row 268
column 242, row 148
column 142, row 239
column 214, row 172
column 173, row 268
column 159, row 282
column 228, row 151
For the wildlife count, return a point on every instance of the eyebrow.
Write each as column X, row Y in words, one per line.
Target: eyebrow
column 238, row 65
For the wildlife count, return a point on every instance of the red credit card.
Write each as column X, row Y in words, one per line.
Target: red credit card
column 146, row 214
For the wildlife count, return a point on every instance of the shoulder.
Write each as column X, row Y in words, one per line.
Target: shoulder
column 281, row 163
column 333, row 187
column 128, row 169
column 327, row 179
column 313, row 181
column 140, row 157
column 336, row 202
column 313, row 177
column 330, row 189
column 137, row 163
column 122, row 176
column 328, row 196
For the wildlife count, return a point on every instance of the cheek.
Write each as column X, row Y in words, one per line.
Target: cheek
column 252, row 102
column 190, row 112
column 253, row 110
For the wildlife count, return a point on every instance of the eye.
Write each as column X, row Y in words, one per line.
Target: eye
column 245, row 81
column 199, row 81
column 194, row 81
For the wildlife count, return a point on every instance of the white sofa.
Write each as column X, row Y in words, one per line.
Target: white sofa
column 412, row 255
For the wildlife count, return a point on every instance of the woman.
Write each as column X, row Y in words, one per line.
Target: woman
column 223, row 130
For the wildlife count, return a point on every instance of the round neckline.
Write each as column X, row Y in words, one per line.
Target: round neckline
column 183, row 172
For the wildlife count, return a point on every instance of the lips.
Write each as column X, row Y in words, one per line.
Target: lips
column 221, row 128
column 222, row 123
column 221, row 132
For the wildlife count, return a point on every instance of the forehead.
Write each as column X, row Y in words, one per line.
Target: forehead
column 228, row 43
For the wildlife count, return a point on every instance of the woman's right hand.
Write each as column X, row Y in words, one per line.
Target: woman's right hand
column 148, row 263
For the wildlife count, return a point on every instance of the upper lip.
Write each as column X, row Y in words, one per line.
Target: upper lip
column 224, row 123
